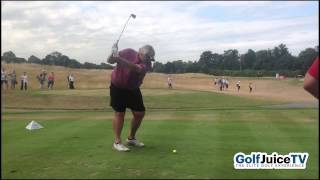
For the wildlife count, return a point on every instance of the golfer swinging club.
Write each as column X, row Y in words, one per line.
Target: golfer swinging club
column 126, row 78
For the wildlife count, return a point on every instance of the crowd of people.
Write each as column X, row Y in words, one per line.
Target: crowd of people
column 222, row 83
column 43, row 78
column 7, row 78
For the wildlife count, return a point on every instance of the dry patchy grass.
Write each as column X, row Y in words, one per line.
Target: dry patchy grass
column 265, row 88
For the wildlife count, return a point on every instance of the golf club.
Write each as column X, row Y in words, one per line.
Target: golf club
column 131, row 15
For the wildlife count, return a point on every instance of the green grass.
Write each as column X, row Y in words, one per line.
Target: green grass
column 206, row 129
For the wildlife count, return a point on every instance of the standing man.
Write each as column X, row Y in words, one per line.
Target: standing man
column 13, row 80
column 169, row 81
column 227, row 84
column 250, row 87
column 4, row 78
column 71, row 81
column 238, row 85
column 24, row 81
column 126, row 79
column 220, row 84
column 42, row 78
column 50, row 80
column 215, row 81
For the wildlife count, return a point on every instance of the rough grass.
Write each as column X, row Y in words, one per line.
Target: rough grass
column 288, row 90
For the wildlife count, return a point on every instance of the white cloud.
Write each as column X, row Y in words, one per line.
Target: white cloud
column 86, row 30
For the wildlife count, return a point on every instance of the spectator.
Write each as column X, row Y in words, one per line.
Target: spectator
column 227, row 84
column 50, row 80
column 238, row 85
column 71, row 81
column 24, row 81
column 220, row 83
column 4, row 78
column 42, row 78
column 169, row 82
column 13, row 80
column 250, row 87
column 223, row 83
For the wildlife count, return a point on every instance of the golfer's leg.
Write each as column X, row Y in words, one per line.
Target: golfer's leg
column 117, row 124
column 135, row 123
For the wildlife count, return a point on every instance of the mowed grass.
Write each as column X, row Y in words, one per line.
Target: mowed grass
column 98, row 99
column 205, row 128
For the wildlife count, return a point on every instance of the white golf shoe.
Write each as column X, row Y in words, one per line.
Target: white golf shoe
column 120, row 147
column 134, row 142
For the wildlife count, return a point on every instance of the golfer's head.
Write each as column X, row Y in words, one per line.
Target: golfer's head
column 146, row 53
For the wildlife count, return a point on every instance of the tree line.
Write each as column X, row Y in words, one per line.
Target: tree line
column 54, row 58
column 230, row 63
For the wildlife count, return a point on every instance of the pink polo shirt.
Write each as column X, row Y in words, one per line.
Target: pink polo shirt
column 314, row 69
column 123, row 77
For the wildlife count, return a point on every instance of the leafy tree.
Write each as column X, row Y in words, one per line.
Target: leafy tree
column 105, row 66
column 248, row 60
column 283, row 50
column 231, row 59
column 306, row 58
column 34, row 59
column 169, row 67
column 9, row 55
column 158, row 67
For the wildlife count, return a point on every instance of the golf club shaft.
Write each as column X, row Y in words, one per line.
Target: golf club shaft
column 123, row 29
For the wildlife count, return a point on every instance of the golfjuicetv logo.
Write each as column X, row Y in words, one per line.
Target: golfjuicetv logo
column 258, row 160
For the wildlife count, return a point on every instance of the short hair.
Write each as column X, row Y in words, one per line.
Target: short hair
column 148, row 50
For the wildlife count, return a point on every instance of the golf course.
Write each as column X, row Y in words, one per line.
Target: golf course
column 205, row 126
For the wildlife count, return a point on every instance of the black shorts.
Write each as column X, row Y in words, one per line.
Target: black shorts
column 120, row 99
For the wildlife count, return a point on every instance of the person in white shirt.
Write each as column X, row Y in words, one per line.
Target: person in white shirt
column 227, row 84
column 71, row 81
column 24, row 81
column 223, row 81
column 250, row 87
column 4, row 78
column 238, row 85
column 169, row 83
column 215, row 81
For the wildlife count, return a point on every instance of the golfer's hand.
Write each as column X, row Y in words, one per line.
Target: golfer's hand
column 111, row 60
column 115, row 52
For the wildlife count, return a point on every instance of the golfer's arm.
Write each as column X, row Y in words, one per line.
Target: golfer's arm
column 111, row 60
column 311, row 85
column 125, row 63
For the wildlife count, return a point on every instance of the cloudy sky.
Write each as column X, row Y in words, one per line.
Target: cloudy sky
column 178, row 30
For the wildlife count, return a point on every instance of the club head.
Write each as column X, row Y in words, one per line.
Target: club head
column 133, row 16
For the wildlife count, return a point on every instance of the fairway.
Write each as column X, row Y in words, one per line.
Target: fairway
column 216, row 90
column 206, row 129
